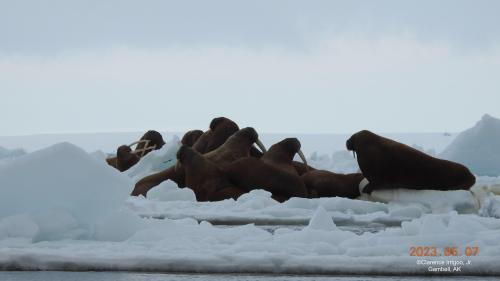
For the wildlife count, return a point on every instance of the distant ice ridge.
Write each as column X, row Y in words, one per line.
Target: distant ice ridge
column 7, row 155
column 478, row 147
column 11, row 153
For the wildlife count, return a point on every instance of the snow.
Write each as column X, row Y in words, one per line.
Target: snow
column 478, row 147
column 62, row 189
column 189, row 246
column 155, row 161
column 65, row 209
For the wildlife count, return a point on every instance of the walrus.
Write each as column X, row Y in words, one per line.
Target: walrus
column 387, row 164
column 206, row 179
column 151, row 140
column 125, row 158
column 190, row 137
column 274, row 171
column 238, row 144
column 328, row 184
column 204, row 174
column 220, row 129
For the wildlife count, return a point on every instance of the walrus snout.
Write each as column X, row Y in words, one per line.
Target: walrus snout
column 248, row 133
column 464, row 178
column 293, row 145
column 251, row 135
column 350, row 144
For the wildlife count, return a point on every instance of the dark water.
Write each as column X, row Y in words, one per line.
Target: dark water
column 125, row 276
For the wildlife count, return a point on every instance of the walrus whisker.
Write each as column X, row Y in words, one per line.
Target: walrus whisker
column 261, row 146
column 303, row 157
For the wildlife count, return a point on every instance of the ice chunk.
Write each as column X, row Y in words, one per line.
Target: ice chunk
column 321, row 220
column 462, row 201
column 64, row 177
column 168, row 191
column 156, row 160
column 478, row 147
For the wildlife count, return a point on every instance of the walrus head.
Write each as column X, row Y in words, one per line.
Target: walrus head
column 155, row 139
column 251, row 135
column 353, row 142
column 216, row 122
column 292, row 146
column 223, row 123
column 191, row 137
column 124, row 152
column 221, row 128
column 125, row 158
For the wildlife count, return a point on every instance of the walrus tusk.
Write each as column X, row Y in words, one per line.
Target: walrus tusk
column 261, row 146
column 303, row 157
column 143, row 150
column 354, row 154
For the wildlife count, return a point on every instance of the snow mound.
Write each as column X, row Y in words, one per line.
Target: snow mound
column 168, row 191
column 62, row 189
column 478, row 148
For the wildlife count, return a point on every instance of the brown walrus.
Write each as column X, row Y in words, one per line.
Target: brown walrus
column 190, row 137
column 329, row 184
column 388, row 164
column 236, row 146
column 125, row 158
column 204, row 174
column 273, row 172
column 150, row 141
column 206, row 179
column 220, row 129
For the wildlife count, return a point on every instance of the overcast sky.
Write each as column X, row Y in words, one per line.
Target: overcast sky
column 280, row 66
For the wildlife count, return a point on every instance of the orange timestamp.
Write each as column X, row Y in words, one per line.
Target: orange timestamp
column 431, row 251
